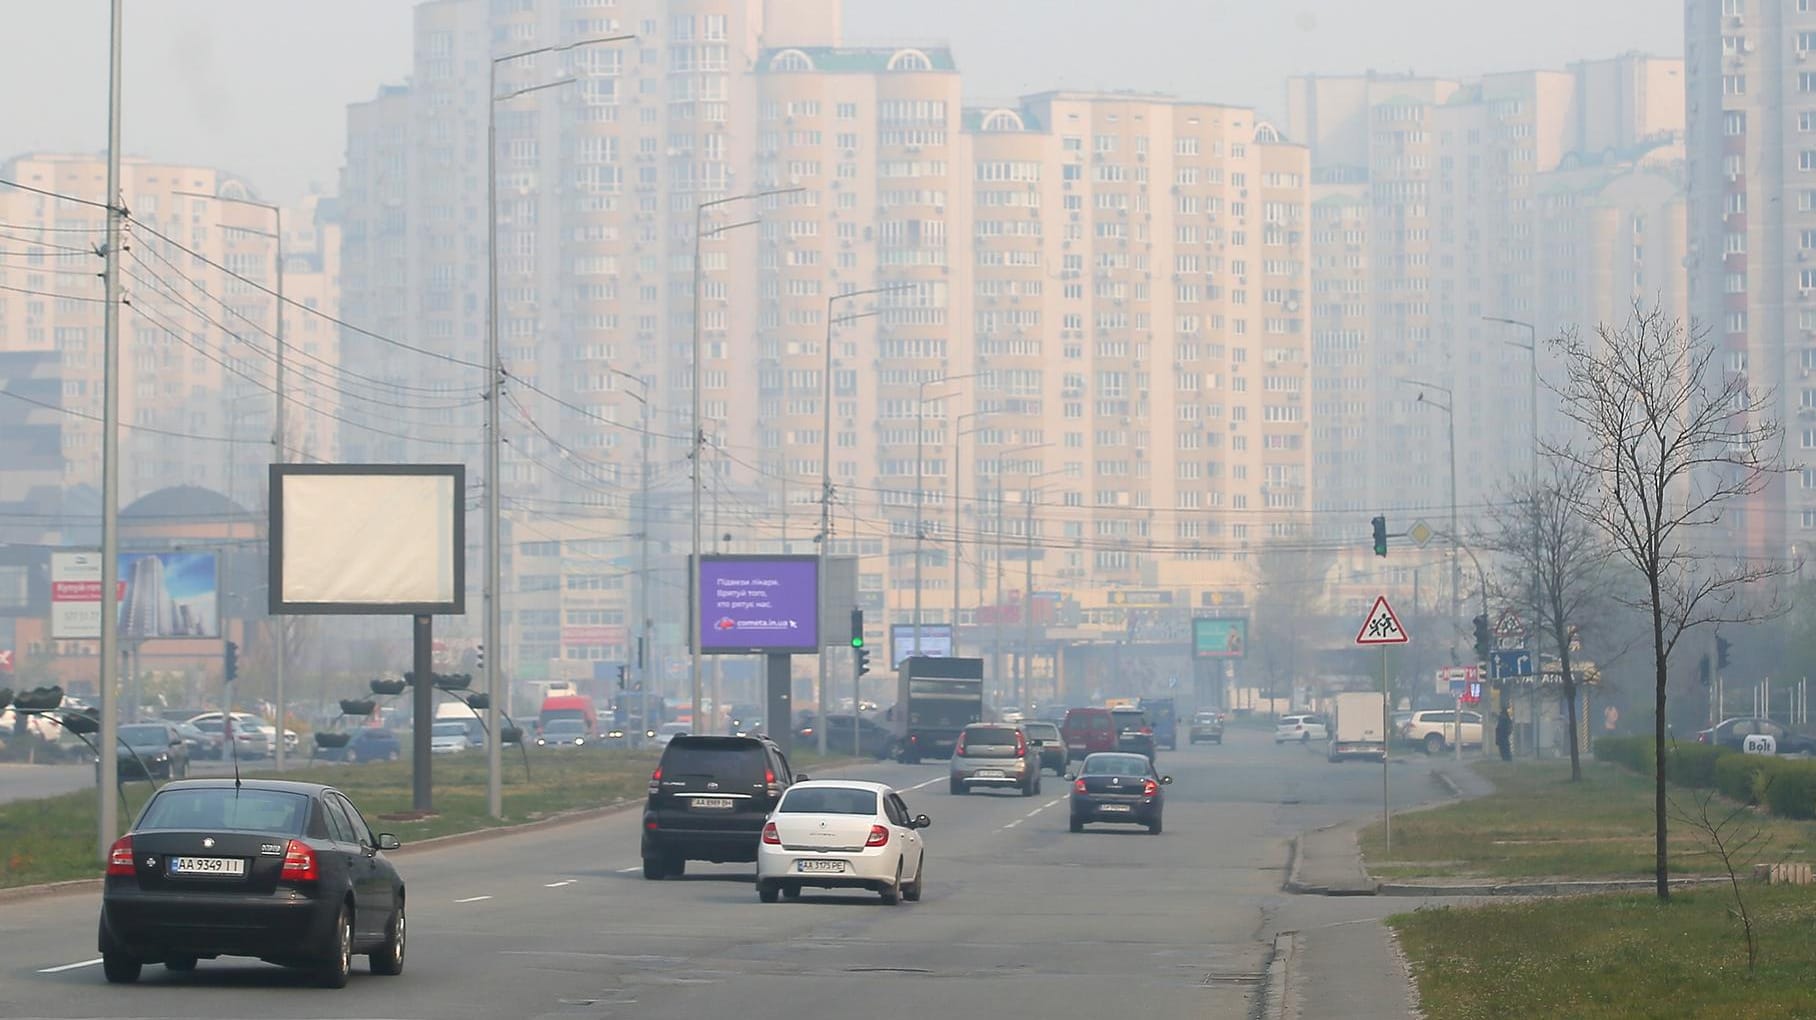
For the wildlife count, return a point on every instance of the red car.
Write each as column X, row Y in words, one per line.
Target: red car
column 1088, row 731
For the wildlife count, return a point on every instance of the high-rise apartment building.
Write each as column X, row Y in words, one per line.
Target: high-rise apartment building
column 198, row 352
column 1751, row 87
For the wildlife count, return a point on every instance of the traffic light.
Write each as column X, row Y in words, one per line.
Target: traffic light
column 1484, row 638
column 230, row 665
column 1702, row 670
column 863, row 661
column 621, row 672
column 479, row 657
column 857, row 628
column 1380, row 524
column 1722, row 645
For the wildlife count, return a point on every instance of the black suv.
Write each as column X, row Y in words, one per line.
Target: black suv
column 708, row 799
column 1134, row 735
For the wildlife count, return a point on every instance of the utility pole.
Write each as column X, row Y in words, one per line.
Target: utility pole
column 958, row 477
column 642, row 605
column 495, row 687
column 920, row 487
column 1027, row 667
column 108, row 764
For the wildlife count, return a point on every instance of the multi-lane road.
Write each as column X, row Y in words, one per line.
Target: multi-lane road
column 1021, row 918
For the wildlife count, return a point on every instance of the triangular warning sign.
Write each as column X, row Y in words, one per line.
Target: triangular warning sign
column 1381, row 627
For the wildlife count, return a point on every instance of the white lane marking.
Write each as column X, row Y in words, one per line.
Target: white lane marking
column 70, row 966
column 557, row 885
column 917, row 786
column 631, row 869
column 473, row 899
column 1013, row 824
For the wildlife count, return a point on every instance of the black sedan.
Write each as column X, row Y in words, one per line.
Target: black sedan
column 286, row 872
column 150, row 751
column 1733, row 734
column 1112, row 786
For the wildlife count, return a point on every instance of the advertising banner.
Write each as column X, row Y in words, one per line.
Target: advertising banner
column 1223, row 638
column 161, row 595
column 753, row 605
column 936, row 640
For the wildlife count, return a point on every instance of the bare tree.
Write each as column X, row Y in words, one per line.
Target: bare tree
column 1290, row 577
column 1667, row 441
column 1555, row 566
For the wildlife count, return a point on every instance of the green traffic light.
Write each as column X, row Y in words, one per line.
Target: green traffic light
column 857, row 641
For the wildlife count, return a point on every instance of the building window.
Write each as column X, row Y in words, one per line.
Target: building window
column 1734, row 122
column 1806, row 80
column 1733, row 84
column 1733, row 8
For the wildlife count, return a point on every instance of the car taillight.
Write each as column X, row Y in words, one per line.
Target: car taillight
column 655, row 781
column 119, row 857
column 1147, row 731
column 769, row 783
column 879, row 836
column 1079, row 786
column 1021, row 745
column 1702, row 738
column 772, row 837
column 299, row 863
column 1149, row 788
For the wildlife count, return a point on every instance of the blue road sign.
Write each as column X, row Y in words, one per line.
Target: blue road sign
column 1458, row 688
column 1507, row 662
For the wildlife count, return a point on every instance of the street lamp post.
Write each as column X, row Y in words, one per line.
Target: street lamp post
column 1027, row 657
column 996, row 627
column 697, row 439
column 958, row 478
column 920, row 488
column 494, row 397
column 826, row 397
column 277, row 435
column 643, row 471
column 1450, row 422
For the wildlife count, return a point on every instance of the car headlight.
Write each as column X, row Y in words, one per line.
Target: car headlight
column 541, row 742
column 579, row 740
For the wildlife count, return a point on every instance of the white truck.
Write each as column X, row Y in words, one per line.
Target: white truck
column 1360, row 727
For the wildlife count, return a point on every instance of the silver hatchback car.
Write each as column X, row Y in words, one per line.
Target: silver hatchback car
column 998, row 755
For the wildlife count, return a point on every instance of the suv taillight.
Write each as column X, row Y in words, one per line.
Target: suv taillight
column 1149, row 788
column 299, row 863
column 769, row 783
column 1079, row 786
column 879, row 836
column 959, row 748
column 1021, row 745
column 770, row 835
column 119, row 857
column 655, row 781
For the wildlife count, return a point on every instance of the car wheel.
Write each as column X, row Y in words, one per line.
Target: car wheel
column 892, row 894
column 120, row 968
column 180, row 964
column 1077, row 826
column 389, row 961
column 913, row 892
column 958, row 788
column 767, row 892
column 1218, row 740
column 652, row 869
column 793, row 892
column 1154, row 827
column 339, row 963
column 1434, row 744
column 675, row 867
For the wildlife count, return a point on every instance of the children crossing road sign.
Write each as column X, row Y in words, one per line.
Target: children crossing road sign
column 1381, row 627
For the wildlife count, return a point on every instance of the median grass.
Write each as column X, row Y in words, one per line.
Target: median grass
column 1537, row 824
column 1603, row 957
column 52, row 839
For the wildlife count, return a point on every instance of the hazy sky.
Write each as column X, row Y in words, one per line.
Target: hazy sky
column 260, row 87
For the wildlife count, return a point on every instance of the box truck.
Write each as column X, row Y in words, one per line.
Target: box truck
column 1360, row 729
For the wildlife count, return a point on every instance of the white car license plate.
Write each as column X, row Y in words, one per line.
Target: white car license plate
column 821, row 867
column 1112, row 807
column 713, row 803
column 230, row 866
column 989, row 773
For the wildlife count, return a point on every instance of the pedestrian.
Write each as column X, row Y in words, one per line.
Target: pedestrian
column 1503, row 732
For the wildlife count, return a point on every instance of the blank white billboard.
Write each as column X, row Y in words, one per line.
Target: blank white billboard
column 368, row 538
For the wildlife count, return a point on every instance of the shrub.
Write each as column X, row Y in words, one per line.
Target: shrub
column 1742, row 777
column 1633, row 752
column 1790, row 788
column 1693, row 765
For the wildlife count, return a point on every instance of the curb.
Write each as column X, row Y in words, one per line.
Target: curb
column 1294, row 883
column 31, row 892
column 1547, row 889
column 1277, row 999
column 1444, row 780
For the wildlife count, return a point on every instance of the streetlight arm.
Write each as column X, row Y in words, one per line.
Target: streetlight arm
column 563, row 48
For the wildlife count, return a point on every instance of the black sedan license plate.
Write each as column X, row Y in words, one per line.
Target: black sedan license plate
column 225, row 867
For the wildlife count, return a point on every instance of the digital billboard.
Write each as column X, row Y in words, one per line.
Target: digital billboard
column 936, row 639
column 160, row 595
column 758, row 604
column 1219, row 638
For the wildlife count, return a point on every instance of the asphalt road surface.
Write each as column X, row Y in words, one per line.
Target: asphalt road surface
column 1021, row 918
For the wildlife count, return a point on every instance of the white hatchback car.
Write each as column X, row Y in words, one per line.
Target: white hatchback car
column 842, row 834
column 1303, row 728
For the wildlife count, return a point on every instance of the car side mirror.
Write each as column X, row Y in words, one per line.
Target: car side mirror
column 801, row 777
column 922, row 822
column 386, row 841
column 1071, row 776
column 1166, row 780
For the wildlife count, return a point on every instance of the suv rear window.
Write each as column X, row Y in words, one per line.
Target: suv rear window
column 737, row 759
column 1041, row 731
column 1130, row 720
column 990, row 736
column 829, row 800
